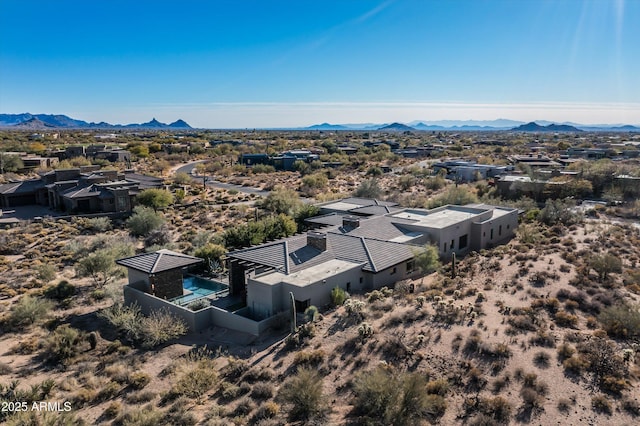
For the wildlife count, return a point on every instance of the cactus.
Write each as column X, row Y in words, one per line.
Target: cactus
column 453, row 265
column 293, row 313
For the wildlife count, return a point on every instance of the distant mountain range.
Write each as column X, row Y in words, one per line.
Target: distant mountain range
column 479, row 125
column 50, row 121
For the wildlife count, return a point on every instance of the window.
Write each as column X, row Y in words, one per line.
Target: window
column 410, row 266
column 499, row 230
column 445, row 247
column 453, row 244
column 462, row 242
column 507, row 226
column 491, row 234
column 349, row 286
column 360, row 280
column 394, row 270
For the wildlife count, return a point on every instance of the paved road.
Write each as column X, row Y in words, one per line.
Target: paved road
column 190, row 168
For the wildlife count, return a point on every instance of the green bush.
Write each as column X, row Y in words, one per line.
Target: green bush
column 63, row 344
column 45, row 272
column 621, row 321
column 29, row 310
column 60, row 291
column 338, row 296
column 303, row 393
column 153, row 330
column 383, row 396
column 144, row 220
column 195, row 381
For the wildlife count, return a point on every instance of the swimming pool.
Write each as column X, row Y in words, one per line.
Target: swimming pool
column 199, row 288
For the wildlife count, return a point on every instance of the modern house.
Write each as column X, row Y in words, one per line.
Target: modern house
column 84, row 190
column 469, row 171
column 356, row 253
column 359, row 253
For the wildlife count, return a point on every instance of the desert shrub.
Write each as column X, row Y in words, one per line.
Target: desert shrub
column 621, row 321
column 60, row 291
column 45, row 272
column 303, row 393
column 196, row 379
column 235, row 368
column 144, row 220
column 125, row 318
column 368, row 189
column 575, row 364
column 28, row 310
column 338, row 296
column 113, row 410
column 262, row 391
column 384, row 396
column 531, row 398
column 497, row 409
column 541, row 359
column 199, row 304
column 140, row 397
column 157, row 328
column 98, row 224
column 601, row 404
column 437, row 387
column 605, row 264
column 109, row 391
column 565, row 319
column 63, row 344
column 268, row 410
column 614, row 385
column 145, row 416
column 138, row 380
column 631, row 406
column 5, row 369
column 565, row 351
column 603, row 359
column 229, row 391
column 309, row 357
column 244, row 407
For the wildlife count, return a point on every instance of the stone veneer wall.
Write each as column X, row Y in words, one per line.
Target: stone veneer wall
column 167, row 284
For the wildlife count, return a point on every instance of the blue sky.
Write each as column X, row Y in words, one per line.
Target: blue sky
column 236, row 64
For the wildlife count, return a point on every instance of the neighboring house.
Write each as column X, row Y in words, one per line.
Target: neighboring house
column 82, row 190
column 253, row 159
column 469, row 171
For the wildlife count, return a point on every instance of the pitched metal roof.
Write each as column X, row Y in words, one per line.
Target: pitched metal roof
column 159, row 261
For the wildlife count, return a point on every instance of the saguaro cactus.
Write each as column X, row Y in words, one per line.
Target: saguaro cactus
column 453, row 266
column 293, row 313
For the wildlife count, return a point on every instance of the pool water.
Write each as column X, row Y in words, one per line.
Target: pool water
column 199, row 287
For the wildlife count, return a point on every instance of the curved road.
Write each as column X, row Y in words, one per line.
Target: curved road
column 190, row 167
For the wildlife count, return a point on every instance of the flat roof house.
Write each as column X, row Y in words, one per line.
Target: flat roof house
column 359, row 253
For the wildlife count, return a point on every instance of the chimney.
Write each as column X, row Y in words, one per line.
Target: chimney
column 350, row 222
column 317, row 240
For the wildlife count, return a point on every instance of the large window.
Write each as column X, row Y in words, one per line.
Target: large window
column 462, row 242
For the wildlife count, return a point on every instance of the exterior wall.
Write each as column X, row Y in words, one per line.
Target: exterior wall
column 136, row 276
column 167, row 285
column 483, row 237
column 388, row 277
column 263, row 299
column 202, row 319
column 319, row 293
